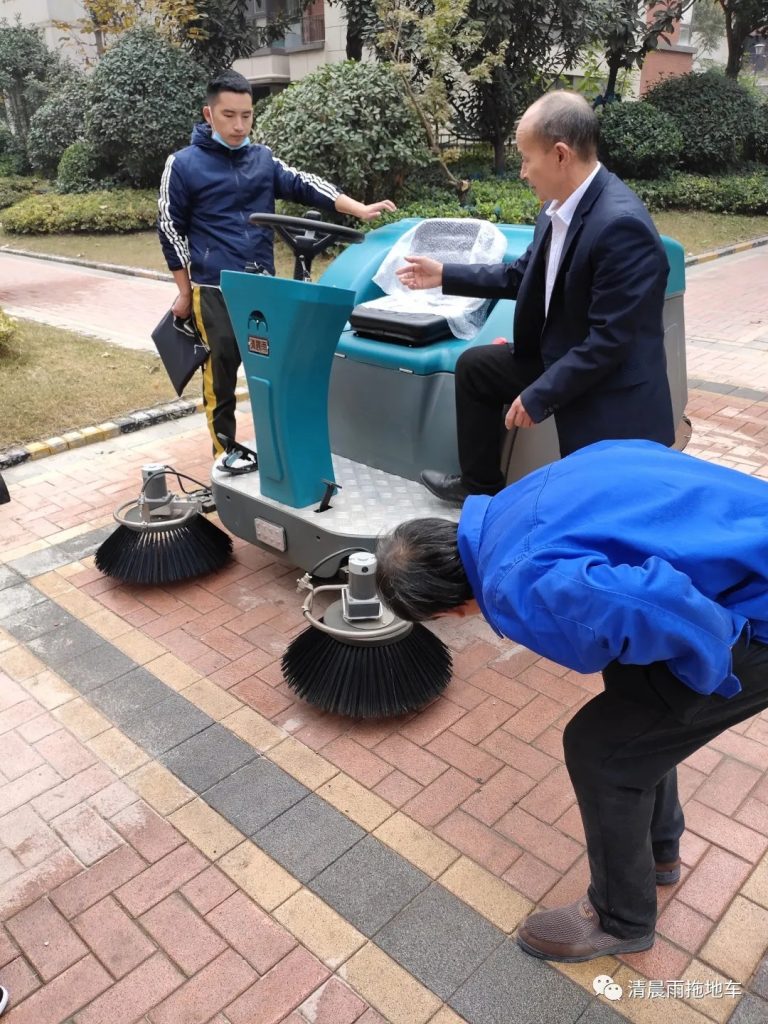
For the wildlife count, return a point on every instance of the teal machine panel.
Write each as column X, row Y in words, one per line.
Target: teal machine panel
column 287, row 332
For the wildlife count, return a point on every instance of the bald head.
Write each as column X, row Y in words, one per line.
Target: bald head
column 564, row 117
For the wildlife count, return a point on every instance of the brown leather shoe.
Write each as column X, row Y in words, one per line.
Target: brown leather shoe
column 669, row 873
column 572, row 934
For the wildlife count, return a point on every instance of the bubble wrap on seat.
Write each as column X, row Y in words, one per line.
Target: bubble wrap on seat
column 447, row 240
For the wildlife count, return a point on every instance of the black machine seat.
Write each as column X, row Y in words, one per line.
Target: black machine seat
column 412, row 329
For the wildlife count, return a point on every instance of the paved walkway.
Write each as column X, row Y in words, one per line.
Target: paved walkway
column 182, row 842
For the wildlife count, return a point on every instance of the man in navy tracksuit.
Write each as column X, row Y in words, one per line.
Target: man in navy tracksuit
column 207, row 192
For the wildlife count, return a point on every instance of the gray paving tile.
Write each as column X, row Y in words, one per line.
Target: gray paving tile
column 16, row 598
column 165, row 725
column 308, row 837
column 751, row 1010
column 38, row 562
column 95, row 667
column 369, row 885
column 512, row 986
column 63, row 644
column 8, row 578
column 759, row 983
column 86, row 543
column 440, row 940
column 255, row 795
column 38, row 619
column 601, row 1011
column 125, row 697
column 208, row 757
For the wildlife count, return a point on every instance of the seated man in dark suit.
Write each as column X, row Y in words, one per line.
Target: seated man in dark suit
column 588, row 331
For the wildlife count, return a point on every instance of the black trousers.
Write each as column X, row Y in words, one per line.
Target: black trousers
column 621, row 751
column 487, row 378
column 220, row 371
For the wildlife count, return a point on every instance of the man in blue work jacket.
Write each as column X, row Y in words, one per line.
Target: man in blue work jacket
column 647, row 565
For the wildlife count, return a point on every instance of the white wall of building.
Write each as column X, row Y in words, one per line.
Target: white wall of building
column 43, row 14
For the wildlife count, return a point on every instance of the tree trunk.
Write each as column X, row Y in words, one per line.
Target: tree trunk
column 354, row 43
column 610, row 85
column 735, row 45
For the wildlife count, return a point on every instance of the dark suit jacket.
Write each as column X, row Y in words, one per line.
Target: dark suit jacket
column 599, row 353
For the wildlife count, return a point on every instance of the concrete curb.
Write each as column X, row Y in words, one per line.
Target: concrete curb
column 113, row 428
column 727, row 250
column 74, row 261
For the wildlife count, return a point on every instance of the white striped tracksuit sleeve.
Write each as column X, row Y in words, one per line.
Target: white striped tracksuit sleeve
column 301, row 187
column 172, row 219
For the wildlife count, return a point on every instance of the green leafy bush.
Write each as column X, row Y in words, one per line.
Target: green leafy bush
column 715, row 116
column 760, row 133
column 15, row 188
column 733, row 193
column 13, row 156
column 347, row 122
column 504, row 201
column 145, row 96
column 118, row 211
column 58, row 123
column 78, row 169
column 639, row 140
column 7, row 329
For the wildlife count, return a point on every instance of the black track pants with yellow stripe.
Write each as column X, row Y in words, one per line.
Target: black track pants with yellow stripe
column 220, row 371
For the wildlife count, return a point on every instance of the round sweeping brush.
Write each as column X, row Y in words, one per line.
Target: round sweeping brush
column 162, row 537
column 360, row 660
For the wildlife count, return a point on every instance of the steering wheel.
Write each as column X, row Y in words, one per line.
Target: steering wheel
column 303, row 233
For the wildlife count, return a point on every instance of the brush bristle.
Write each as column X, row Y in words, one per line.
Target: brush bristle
column 164, row 556
column 367, row 681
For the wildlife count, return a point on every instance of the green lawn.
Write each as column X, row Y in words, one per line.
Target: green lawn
column 139, row 249
column 53, row 381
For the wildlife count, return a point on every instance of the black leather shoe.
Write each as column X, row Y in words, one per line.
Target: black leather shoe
column 447, row 488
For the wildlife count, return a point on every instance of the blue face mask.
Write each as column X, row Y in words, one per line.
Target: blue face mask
column 246, row 141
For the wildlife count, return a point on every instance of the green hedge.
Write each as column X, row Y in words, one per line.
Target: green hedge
column 118, row 211
column 638, row 140
column 78, row 169
column 715, row 115
column 15, row 188
column 731, row 193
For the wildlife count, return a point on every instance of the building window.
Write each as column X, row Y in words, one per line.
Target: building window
column 306, row 28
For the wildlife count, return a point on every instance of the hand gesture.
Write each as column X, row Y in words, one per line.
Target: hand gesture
column 374, row 210
column 421, row 272
column 517, row 416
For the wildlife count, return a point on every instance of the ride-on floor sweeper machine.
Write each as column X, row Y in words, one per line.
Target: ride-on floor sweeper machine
column 350, row 402
column 352, row 397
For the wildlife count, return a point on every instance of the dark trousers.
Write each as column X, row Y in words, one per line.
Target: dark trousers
column 621, row 751
column 487, row 378
column 220, row 371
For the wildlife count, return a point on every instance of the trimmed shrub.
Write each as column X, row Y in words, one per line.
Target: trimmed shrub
column 504, row 201
column 145, row 96
column 715, row 116
column 734, row 193
column 78, row 169
column 638, row 140
column 349, row 123
column 7, row 329
column 58, row 123
column 15, row 188
column 118, row 211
